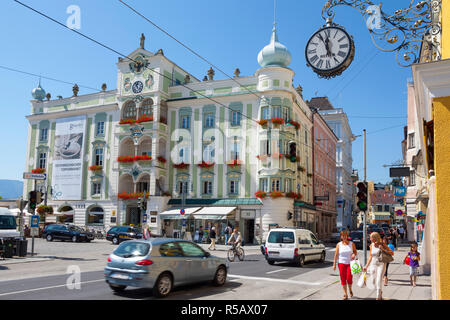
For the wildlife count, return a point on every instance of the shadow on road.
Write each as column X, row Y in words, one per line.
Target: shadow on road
column 66, row 258
column 4, row 268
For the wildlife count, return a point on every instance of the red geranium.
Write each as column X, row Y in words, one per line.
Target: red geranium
column 180, row 165
column 205, row 164
column 161, row 159
column 128, row 121
column 262, row 122
column 260, row 194
column 125, row 159
column 95, row 168
column 38, row 170
column 276, row 194
column 277, row 120
column 145, row 118
column 234, row 163
column 144, row 157
column 292, row 195
column 295, row 124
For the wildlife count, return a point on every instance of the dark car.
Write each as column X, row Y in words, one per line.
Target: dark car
column 376, row 229
column 357, row 238
column 66, row 232
column 121, row 233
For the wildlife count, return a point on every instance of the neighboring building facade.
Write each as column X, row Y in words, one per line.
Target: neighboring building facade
column 159, row 136
column 382, row 205
column 324, row 175
column 337, row 120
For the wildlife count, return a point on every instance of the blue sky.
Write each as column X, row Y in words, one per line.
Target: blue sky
column 228, row 33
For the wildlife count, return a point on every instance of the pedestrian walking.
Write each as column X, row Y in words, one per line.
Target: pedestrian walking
column 390, row 246
column 394, row 236
column 228, row 231
column 374, row 267
column 414, row 257
column 401, row 232
column 212, row 236
column 346, row 252
column 200, row 234
column 147, row 234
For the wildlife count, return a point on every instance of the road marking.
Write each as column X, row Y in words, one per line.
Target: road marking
column 275, row 271
column 276, row 280
column 46, row 288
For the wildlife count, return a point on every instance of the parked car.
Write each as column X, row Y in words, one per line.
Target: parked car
column 293, row 245
column 357, row 238
column 376, row 229
column 66, row 232
column 161, row 264
column 336, row 235
column 118, row 234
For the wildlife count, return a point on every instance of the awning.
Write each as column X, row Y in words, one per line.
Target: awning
column 16, row 212
column 214, row 213
column 174, row 213
column 64, row 213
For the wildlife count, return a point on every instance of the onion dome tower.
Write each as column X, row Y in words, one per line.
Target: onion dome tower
column 274, row 54
column 38, row 93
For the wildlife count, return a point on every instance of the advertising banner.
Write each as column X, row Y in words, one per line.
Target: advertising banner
column 68, row 158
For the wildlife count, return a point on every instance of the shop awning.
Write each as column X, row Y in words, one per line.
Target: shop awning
column 214, row 213
column 174, row 213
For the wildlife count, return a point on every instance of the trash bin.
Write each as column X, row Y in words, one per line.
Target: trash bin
column 8, row 248
column 21, row 247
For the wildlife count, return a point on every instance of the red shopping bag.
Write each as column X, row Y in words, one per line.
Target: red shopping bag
column 407, row 261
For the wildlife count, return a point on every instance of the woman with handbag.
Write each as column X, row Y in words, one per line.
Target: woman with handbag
column 380, row 254
column 346, row 251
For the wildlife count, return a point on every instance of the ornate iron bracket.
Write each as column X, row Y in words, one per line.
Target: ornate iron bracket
column 413, row 33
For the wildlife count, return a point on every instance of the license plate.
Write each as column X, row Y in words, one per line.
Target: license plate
column 274, row 252
column 356, row 240
column 120, row 276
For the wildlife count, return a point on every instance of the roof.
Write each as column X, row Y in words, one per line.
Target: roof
column 321, row 103
column 218, row 202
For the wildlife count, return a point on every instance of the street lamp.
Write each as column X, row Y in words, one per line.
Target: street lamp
column 412, row 33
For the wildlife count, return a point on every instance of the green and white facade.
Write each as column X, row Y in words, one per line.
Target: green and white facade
column 184, row 120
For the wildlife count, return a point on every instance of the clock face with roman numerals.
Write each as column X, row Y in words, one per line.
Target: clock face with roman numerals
column 330, row 51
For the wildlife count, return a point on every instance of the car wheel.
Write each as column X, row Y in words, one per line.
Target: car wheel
column 117, row 288
column 74, row 239
column 115, row 240
column 301, row 261
column 220, row 277
column 271, row 262
column 49, row 237
column 163, row 285
column 322, row 257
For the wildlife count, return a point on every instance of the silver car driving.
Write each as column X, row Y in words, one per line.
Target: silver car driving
column 161, row 264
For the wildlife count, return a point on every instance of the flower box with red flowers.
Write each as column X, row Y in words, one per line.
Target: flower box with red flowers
column 38, row 170
column 205, row 164
column 180, row 165
column 161, row 159
column 134, row 195
column 96, row 168
column 276, row 194
column 295, row 124
column 145, row 119
column 262, row 122
column 299, row 196
column 234, row 163
column 144, row 157
column 291, row 195
column 125, row 159
column 128, row 121
column 277, row 120
column 260, row 194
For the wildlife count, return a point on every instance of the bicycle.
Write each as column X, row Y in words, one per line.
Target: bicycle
column 234, row 251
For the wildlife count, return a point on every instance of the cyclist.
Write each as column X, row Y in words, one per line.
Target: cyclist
column 235, row 239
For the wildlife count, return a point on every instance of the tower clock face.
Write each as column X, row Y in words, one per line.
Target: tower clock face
column 137, row 87
column 330, row 51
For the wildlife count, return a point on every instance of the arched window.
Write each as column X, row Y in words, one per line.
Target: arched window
column 95, row 215
column 146, row 108
column 129, row 111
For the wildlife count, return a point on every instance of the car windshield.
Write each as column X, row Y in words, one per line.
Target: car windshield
column 356, row 235
column 132, row 249
column 7, row 222
column 281, row 237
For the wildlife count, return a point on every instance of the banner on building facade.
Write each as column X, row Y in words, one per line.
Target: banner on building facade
column 68, row 158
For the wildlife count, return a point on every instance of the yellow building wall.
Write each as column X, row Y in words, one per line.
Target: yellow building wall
column 441, row 111
column 445, row 29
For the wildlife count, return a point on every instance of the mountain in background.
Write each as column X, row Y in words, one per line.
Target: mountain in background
column 11, row 189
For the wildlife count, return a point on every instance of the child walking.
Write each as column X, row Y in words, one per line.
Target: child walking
column 414, row 257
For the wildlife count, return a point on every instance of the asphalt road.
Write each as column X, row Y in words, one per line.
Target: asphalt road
column 248, row 279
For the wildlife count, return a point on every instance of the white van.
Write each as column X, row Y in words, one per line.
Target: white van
column 8, row 225
column 294, row 245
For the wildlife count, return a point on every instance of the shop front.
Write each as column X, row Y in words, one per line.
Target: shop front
column 306, row 217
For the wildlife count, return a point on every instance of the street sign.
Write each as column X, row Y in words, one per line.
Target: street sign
column 145, row 218
column 34, row 232
column 399, row 191
column 182, row 212
column 322, row 198
column 34, row 176
column 399, row 172
column 399, row 212
column 34, row 221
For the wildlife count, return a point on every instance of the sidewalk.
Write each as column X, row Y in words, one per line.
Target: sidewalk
column 398, row 288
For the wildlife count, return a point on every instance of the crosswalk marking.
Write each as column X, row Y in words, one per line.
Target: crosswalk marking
column 276, row 280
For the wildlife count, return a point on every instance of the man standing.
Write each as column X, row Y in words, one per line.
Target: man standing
column 212, row 236
column 401, row 231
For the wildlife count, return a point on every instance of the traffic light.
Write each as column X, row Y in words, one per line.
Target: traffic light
column 32, row 201
column 293, row 151
column 362, row 195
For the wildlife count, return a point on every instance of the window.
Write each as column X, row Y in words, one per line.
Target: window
column 281, row 237
column 208, row 153
column 142, row 186
column 100, row 128
column 288, row 185
column 412, row 178
column 209, row 120
column 265, row 147
column 99, row 157
column 264, row 185
column 306, row 137
column 314, row 239
column 265, row 113
column 95, row 216
column 42, row 160
column 276, row 185
column 96, row 188
column 207, row 187
column 234, row 187
column 191, row 250
column 379, row 208
column 184, row 155
column 276, row 112
column 185, row 122
column 146, row 107
column 170, row 249
column 44, row 134
column 286, row 115
column 411, row 142
column 235, row 118
column 129, row 110
column 182, row 187
column 235, row 150
column 386, row 208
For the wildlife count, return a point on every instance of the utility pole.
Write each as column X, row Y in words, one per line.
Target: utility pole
column 365, row 211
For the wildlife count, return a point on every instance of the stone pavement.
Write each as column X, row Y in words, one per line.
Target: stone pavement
column 398, row 288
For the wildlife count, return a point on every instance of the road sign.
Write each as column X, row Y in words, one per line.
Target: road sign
column 399, row 212
column 145, row 218
column 34, row 232
column 399, row 191
column 34, row 221
column 182, row 212
column 34, row 176
column 322, row 198
column 399, row 172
